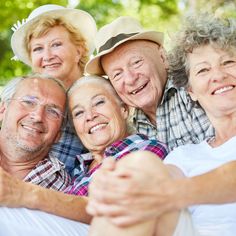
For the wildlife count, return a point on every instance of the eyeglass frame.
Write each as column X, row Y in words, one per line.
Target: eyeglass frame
column 36, row 101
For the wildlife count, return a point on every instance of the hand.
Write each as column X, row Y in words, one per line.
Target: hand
column 130, row 195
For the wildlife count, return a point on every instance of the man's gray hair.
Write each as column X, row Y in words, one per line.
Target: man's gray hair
column 10, row 88
column 198, row 31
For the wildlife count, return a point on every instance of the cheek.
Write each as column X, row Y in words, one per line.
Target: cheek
column 79, row 127
column 118, row 86
column 35, row 60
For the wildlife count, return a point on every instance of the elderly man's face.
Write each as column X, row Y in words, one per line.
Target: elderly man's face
column 32, row 119
column 137, row 70
column 212, row 79
column 98, row 118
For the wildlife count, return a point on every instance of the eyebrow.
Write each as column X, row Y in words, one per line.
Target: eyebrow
column 200, row 63
column 35, row 97
column 74, row 107
column 40, row 44
column 78, row 105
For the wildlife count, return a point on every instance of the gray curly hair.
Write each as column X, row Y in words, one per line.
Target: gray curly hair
column 198, row 31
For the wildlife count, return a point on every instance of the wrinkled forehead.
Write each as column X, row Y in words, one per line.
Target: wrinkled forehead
column 127, row 50
column 41, row 88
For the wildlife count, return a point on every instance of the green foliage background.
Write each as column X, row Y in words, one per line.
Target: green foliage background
column 162, row 15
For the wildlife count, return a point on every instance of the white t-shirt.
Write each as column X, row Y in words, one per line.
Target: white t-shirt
column 196, row 159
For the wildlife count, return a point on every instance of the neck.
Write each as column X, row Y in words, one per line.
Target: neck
column 71, row 79
column 17, row 169
column 98, row 156
column 151, row 114
column 225, row 129
column 17, row 162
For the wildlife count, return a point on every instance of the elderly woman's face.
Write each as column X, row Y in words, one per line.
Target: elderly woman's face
column 56, row 55
column 98, row 118
column 212, row 79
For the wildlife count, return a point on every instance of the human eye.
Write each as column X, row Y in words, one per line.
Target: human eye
column 37, row 49
column 56, row 44
column 202, row 70
column 137, row 62
column 77, row 114
column 228, row 62
column 99, row 102
column 28, row 102
column 54, row 112
column 116, row 76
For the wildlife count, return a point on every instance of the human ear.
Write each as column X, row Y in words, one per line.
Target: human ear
column 125, row 111
column 163, row 56
column 2, row 110
column 57, row 137
column 79, row 53
column 191, row 94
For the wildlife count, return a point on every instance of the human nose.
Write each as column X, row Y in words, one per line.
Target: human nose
column 90, row 114
column 131, row 76
column 47, row 56
column 37, row 113
column 218, row 74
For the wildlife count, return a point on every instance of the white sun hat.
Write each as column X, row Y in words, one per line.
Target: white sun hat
column 81, row 20
column 112, row 35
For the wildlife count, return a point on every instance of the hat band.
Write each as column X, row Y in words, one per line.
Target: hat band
column 114, row 40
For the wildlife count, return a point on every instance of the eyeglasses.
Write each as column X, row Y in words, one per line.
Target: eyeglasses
column 30, row 103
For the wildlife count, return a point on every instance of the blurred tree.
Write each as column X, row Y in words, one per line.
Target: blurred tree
column 224, row 8
column 162, row 15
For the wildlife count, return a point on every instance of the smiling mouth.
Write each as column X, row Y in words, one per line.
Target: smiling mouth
column 138, row 89
column 97, row 127
column 32, row 130
column 222, row 90
column 51, row 66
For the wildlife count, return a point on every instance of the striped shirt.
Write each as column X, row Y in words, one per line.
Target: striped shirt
column 178, row 120
column 117, row 150
column 49, row 173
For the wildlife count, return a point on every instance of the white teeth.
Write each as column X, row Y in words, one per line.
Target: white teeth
column 137, row 90
column 51, row 66
column 31, row 129
column 95, row 128
column 221, row 90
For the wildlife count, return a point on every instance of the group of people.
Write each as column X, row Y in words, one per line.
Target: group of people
column 71, row 148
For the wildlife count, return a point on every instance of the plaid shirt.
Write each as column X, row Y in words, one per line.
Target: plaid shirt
column 67, row 148
column 117, row 150
column 49, row 173
column 178, row 121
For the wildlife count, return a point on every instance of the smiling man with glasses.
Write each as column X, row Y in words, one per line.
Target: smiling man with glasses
column 32, row 112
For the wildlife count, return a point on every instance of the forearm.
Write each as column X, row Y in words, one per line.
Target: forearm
column 57, row 203
column 215, row 187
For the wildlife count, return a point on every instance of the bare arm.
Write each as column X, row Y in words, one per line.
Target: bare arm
column 215, row 187
column 139, row 195
column 16, row 193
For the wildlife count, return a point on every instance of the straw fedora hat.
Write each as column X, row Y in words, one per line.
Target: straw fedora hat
column 112, row 35
column 81, row 20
